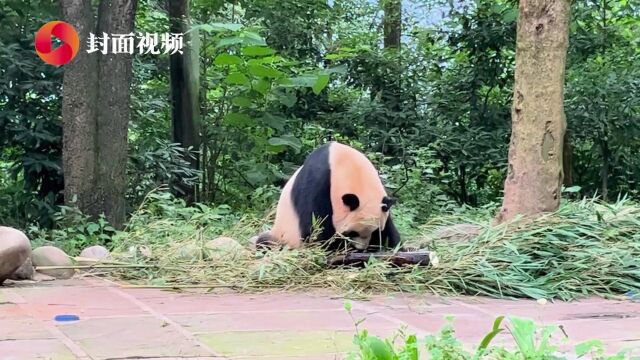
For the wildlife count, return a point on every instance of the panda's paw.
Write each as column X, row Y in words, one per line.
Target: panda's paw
column 264, row 242
column 407, row 249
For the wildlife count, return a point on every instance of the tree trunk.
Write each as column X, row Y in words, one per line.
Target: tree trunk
column 390, row 87
column 96, row 112
column 115, row 17
column 392, row 23
column 184, row 71
column 535, row 173
column 567, row 161
column 79, row 95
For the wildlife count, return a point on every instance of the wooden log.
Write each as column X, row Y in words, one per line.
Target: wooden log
column 420, row 258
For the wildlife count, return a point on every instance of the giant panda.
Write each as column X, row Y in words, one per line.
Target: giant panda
column 340, row 186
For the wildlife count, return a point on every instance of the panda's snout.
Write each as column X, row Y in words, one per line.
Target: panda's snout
column 358, row 239
column 360, row 243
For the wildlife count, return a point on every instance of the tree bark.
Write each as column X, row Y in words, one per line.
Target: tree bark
column 391, row 90
column 567, row 161
column 115, row 72
column 392, row 23
column 96, row 112
column 184, row 77
column 535, row 175
column 79, row 94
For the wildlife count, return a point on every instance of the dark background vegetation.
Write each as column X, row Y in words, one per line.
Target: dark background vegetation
column 434, row 115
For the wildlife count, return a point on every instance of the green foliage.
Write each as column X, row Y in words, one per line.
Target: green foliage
column 279, row 78
column 73, row 232
column 297, row 29
column 472, row 73
column 603, row 108
column 445, row 346
column 161, row 165
column 30, row 123
column 246, row 85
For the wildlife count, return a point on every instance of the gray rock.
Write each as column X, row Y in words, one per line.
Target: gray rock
column 94, row 254
column 15, row 249
column 456, row 233
column 38, row 276
column 189, row 252
column 25, row 272
column 52, row 256
column 224, row 247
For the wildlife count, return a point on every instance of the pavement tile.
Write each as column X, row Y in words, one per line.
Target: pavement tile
column 84, row 301
column 483, row 300
column 8, row 296
column 22, row 329
column 279, row 343
column 74, row 282
column 560, row 311
column 454, row 308
column 280, row 357
column 10, row 311
column 144, row 294
column 282, row 326
column 173, row 303
column 130, row 337
column 406, row 301
column 34, row 349
column 178, row 358
column 633, row 346
column 468, row 327
column 612, row 329
column 275, row 321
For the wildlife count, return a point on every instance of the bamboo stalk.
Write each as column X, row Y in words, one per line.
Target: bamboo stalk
column 101, row 261
column 80, row 267
column 200, row 286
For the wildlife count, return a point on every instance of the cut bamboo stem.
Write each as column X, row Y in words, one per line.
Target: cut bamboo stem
column 201, row 286
column 80, row 267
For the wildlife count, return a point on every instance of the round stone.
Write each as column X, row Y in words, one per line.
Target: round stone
column 15, row 249
column 94, row 254
column 52, row 256
column 457, row 233
column 223, row 247
column 189, row 252
column 24, row 272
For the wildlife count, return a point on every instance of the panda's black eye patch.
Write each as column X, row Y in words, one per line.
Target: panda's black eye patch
column 351, row 234
column 351, row 200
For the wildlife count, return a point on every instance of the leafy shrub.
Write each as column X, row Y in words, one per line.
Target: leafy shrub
column 532, row 343
column 163, row 163
column 73, row 231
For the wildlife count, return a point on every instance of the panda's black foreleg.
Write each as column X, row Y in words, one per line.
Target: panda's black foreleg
column 390, row 235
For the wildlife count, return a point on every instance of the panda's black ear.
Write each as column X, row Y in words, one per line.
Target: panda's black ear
column 351, row 200
column 387, row 203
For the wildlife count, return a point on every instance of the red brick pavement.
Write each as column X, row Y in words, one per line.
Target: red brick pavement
column 118, row 323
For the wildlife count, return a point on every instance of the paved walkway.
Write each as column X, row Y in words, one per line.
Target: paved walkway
column 119, row 323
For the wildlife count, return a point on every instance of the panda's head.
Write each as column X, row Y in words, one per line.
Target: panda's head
column 364, row 218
